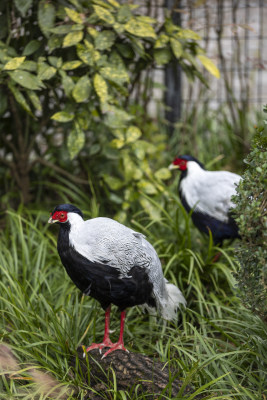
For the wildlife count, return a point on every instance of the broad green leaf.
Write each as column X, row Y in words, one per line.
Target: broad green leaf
column 177, row 47
column 73, row 15
column 55, row 61
column 117, row 118
column 161, row 41
column 187, row 34
column 85, row 54
column 153, row 211
column 147, row 187
column 117, row 143
column 114, row 3
column 209, row 65
column 124, row 14
column 20, row 98
column 26, row 79
column 163, row 173
column 113, row 182
column 92, row 32
column 132, row 134
column 101, row 88
column 14, row 63
column 76, row 140
column 54, row 42
column 29, row 66
column 46, row 16
column 104, row 14
column 69, row 65
column 67, row 83
column 125, row 50
column 31, row 47
column 82, row 89
column 3, row 101
column 139, row 28
column 117, row 75
column 23, row 6
column 35, row 100
column 104, row 40
column 72, row 38
column 45, row 71
column 62, row 116
column 162, row 56
column 61, row 29
column 129, row 167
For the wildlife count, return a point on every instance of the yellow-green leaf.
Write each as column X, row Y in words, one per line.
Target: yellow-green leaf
column 163, row 173
column 75, row 141
column 20, row 98
column 104, row 14
column 26, row 79
column 82, row 89
column 188, row 34
column 139, row 28
column 147, row 187
column 209, row 65
column 73, row 15
column 176, row 47
column 85, row 53
column 62, row 116
column 132, row 134
column 14, row 63
column 35, row 100
column 69, row 65
column 45, row 71
column 113, row 182
column 101, row 88
column 72, row 38
column 117, row 75
column 117, row 143
column 161, row 41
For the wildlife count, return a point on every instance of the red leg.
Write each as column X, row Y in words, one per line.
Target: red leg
column 106, row 340
column 120, row 344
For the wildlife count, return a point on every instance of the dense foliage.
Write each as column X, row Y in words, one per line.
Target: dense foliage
column 251, row 216
column 74, row 75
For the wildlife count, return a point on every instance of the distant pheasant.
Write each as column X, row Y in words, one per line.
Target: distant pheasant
column 114, row 265
column 208, row 194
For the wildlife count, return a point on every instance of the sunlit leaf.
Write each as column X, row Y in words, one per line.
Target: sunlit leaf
column 132, row 134
column 113, row 182
column 209, row 65
column 104, row 14
column 187, row 34
column 62, row 116
column 26, row 79
column 117, row 75
column 35, row 100
column 177, row 47
column 72, row 38
column 117, row 143
column 104, row 40
column 139, row 28
column 55, row 61
column 46, row 16
column 14, row 63
column 82, row 89
column 162, row 56
column 67, row 83
column 101, row 88
column 147, row 187
column 163, row 174
column 69, row 65
column 73, row 15
column 20, row 98
column 85, row 53
column 117, row 118
column 76, row 140
column 45, row 71
column 161, row 41
column 31, row 47
column 61, row 29
column 124, row 14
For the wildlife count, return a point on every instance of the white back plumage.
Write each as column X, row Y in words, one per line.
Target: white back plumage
column 209, row 192
column 104, row 240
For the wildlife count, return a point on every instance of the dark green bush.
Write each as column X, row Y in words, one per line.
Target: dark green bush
column 251, row 216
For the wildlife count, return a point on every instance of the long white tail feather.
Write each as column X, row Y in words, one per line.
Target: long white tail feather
column 171, row 305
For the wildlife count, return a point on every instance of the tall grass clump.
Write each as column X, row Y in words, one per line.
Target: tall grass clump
column 217, row 346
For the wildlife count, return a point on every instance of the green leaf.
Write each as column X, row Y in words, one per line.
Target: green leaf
column 104, row 40
column 29, row 66
column 117, row 143
column 209, row 65
column 67, row 83
column 187, row 34
column 104, row 14
column 46, row 16
column 114, row 3
column 45, row 71
column 14, row 63
column 62, row 116
column 23, row 6
column 73, row 15
column 132, row 134
column 101, row 88
column 69, row 65
column 82, row 89
column 26, row 79
column 113, row 182
column 163, row 174
column 86, row 54
column 31, row 47
column 72, row 38
column 20, row 98
column 55, row 61
column 124, row 14
column 177, row 47
column 76, row 140
column 161, row 41
column 162, row 56
column 61, row 29
column 117, row 75
column 54, row 42
column 117, row 118
column 147, row 187
column 139, row 28
column 35, row 100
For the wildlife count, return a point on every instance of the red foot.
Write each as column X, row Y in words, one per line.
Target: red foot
column 100, row 346
column 116, row 346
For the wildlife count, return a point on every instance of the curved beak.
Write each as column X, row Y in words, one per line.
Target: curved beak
column 172, row 166
column 52, row 221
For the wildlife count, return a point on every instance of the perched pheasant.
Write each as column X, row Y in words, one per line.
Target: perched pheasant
column 208, row 194
column 114, row 265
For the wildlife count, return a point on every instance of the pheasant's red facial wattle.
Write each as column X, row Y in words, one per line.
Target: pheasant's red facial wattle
column 60, row 216
column 182, row 164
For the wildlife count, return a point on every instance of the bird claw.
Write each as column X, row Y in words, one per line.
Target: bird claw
column 116, row 346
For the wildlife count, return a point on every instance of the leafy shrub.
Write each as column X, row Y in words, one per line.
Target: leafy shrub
column 251, row 216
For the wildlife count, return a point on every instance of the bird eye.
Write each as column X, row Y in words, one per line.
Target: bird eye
column 62, row 215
